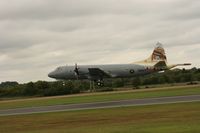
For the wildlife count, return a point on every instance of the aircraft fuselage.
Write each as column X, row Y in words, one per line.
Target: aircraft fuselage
column 113, row 70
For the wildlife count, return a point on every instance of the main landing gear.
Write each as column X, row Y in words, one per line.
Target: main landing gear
column 99, row 83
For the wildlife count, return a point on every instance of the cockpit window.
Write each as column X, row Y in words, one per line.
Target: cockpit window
column 59, row 68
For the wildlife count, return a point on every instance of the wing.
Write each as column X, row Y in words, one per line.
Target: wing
column 97, row 73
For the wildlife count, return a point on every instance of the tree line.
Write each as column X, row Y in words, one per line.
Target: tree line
column 44, row 88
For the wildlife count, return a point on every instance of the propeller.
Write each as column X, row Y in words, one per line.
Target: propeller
column 76, row 71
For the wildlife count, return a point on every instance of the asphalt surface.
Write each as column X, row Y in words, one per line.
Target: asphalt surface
column 98, row 105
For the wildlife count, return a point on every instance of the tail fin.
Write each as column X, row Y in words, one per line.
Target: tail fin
column 157, row 56
column 158, row 53
column 158, row 59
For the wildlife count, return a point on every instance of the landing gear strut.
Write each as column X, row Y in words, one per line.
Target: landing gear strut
column 92, row 86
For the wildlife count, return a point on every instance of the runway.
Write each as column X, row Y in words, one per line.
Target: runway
column 98, row 105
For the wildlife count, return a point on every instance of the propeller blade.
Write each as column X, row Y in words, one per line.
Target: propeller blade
column 76, row 71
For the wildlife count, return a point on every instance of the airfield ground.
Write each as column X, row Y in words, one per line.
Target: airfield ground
column 163, row 118
column 167, row 118
column 101, row 97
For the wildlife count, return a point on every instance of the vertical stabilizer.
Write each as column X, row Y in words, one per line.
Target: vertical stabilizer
column 158, row 53
column 157, row 56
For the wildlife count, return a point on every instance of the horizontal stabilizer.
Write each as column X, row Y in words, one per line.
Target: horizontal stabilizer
column 175, row 65
column 185, row 64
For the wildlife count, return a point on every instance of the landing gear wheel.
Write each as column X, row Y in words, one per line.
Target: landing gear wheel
column 100, row 83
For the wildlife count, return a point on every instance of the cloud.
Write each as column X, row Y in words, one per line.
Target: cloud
column 39, row 35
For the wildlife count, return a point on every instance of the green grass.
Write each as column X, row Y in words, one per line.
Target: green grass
column 100, row 97
column 168, row 118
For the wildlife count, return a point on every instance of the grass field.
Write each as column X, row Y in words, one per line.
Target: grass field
column 99, row 97
column 168, row 118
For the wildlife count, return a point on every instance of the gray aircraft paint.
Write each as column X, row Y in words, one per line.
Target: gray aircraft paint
column 114, row 70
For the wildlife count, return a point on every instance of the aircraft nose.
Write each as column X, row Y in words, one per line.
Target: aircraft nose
column 51, row 75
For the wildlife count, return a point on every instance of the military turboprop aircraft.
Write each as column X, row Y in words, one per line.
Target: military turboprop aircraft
column 155, row 63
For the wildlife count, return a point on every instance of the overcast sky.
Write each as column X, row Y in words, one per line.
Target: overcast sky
column 36, row 36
